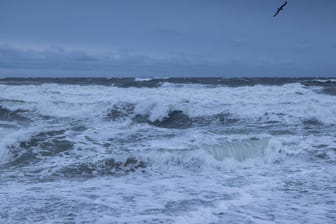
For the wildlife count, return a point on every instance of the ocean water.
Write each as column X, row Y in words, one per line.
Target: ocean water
column 176, row 150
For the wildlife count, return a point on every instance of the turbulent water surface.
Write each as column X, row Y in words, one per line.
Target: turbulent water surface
column 178, row 150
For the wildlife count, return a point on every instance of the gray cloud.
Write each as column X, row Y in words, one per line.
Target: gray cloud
column 59, row 61
column 158, row 37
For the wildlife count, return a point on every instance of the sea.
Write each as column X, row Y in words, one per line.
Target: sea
column 168, row 150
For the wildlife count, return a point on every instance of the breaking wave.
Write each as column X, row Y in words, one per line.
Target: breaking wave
column 9, row 115
column 160, row 150
column 176, row 119
column 100, row 168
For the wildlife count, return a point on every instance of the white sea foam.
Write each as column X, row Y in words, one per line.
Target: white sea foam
column 101, row 154
column 281, row 103
column 142, row 79
column 324, row 80
column 11, row 137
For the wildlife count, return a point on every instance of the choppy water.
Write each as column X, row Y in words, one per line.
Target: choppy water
column 179, row 150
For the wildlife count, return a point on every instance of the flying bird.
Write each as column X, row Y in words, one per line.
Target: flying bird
column 280, row 9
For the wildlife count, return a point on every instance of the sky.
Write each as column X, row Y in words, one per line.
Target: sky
column 156, row 38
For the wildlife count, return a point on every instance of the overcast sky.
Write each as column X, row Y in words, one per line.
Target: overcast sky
column 167, row 38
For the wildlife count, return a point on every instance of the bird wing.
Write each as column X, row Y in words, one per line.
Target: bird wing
column 283, row 5
column 277, row 12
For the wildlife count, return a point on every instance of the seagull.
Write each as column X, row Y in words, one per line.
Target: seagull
column 279, row 9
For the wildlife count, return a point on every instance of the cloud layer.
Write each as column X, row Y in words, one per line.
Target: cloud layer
column 167, row 38
column 57, row 61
